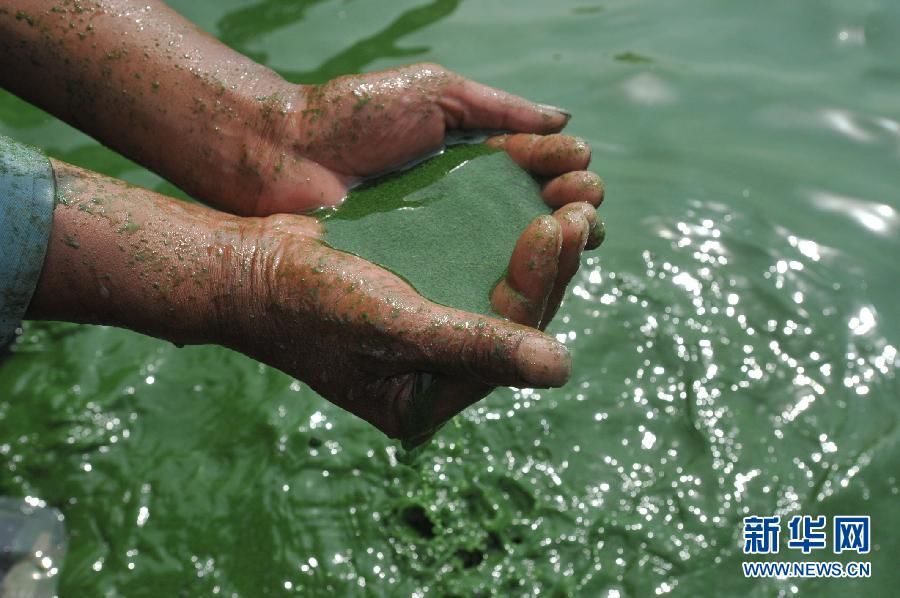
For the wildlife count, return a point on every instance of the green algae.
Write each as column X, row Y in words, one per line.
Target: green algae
column 633, row 58
column 448, row 226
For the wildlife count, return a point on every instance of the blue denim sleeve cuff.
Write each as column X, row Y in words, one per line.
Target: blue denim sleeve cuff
column 26, row 215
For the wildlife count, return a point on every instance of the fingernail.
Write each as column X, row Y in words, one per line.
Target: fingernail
column 597, row 235
column 585, row 234
column 601, row 186
column 542, row 362
column 558, row 110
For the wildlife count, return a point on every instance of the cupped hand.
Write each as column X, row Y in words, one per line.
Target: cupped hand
column 365, row 340
column 358, row 126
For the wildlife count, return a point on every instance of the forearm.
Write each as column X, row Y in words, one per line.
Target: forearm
column 148, row 83
column 124, row 256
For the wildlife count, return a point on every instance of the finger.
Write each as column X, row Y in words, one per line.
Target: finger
column 471, row 105
column 545, row 155
column 522, row 295
column 493, row 351
column 575, row 221
column 571, row 187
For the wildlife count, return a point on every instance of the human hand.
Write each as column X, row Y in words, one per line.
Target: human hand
column 363, row 338
column 234, row 133
column 331, row 136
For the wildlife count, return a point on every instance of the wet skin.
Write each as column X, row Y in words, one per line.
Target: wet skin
column 267, row 287
column 148, row 83
column 233, row 133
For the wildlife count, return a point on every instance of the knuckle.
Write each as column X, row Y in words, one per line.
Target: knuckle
column 581, row 210
column 432, row 67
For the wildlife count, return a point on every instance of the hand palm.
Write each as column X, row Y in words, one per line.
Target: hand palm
column 367, row 334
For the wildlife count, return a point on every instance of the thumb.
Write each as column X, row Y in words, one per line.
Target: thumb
column 491, row 350
column 471, row 105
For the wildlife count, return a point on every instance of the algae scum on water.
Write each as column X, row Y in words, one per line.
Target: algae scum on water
column 448, row 226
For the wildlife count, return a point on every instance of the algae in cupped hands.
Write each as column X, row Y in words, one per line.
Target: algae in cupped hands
column 447, row 226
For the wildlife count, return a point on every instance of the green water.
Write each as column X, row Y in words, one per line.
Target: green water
column 734, row 340
column 447, row 227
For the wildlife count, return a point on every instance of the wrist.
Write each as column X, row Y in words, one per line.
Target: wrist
column 127, row 257
column 248, row 153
